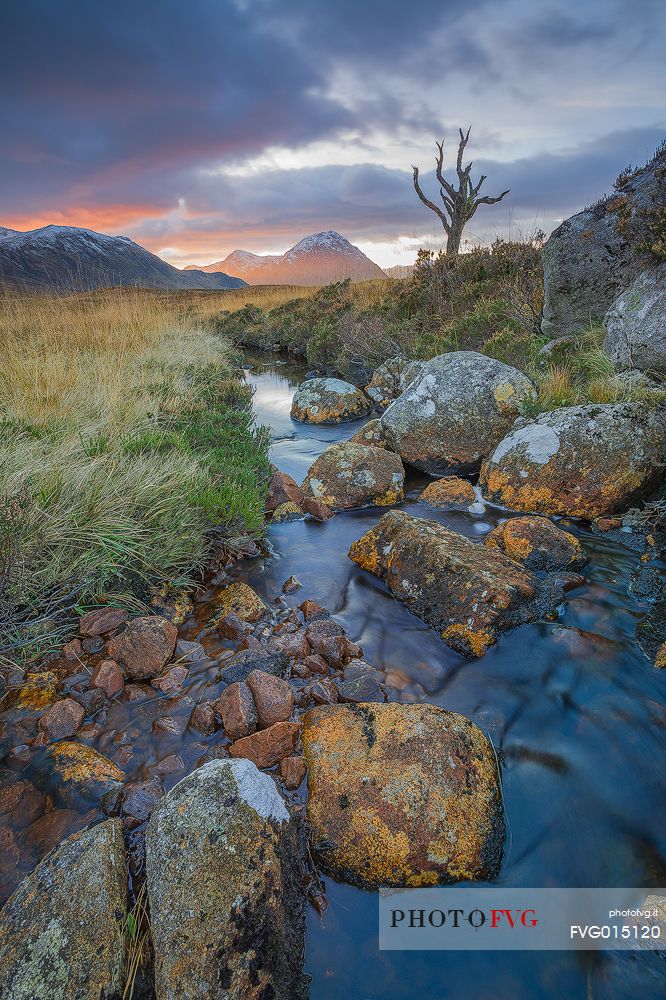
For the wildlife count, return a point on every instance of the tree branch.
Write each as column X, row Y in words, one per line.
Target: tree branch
column 430, row 204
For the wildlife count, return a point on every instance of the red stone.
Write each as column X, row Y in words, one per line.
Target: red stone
column 268, row 746
column 10, row 853
column 291, row 585
column 172, row 680
column 273, row 698
column 236, row 710
column 102, row 620
column 312, row 610
column 292, row 771
column 62, row 719
column 53, row 827
column 21, row 803
column 294, row 644
column 168, row 725
column 137, row 692
column 282, row 489
column 232, row 627
column 72, row 650
column 316, row 509
column 108, row 676
column 203, row 718
column 322, row 691
column 144, row 647
column 316, row 664
column 333, row 648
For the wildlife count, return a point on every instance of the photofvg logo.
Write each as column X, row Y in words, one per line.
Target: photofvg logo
column 501, row 919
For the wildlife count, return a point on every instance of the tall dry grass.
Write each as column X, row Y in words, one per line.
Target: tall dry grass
column 125, row 442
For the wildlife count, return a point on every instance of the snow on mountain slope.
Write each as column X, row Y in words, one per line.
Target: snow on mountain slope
column 69, row 259
column 318, row 259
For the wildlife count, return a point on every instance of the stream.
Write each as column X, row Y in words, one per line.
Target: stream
column 573, row 708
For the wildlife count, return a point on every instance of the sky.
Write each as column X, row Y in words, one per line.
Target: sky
column 197, row 127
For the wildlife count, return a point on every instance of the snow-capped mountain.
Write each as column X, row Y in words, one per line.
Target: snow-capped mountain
column 69, row 259
column 317, row 260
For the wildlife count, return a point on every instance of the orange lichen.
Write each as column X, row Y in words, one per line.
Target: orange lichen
column 81, row 764
column 468, row 640
column 449, row 492
column 38, row 691
column 660, row 658
column 242, row 600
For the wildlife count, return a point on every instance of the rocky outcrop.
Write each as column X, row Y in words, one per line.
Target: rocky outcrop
column 595, row 255
column 401, row 795
column 585, row 461
column 225, row 900
column 537, row 543
column 469, row 593
column 329, row 401
column 391, row 379
column 636, row 324
column 450, row 492
column 350, row 475
column 455, row 412
column 62, row 933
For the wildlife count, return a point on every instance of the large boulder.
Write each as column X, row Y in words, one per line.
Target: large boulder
column 391, row 379
column 370, row 434
column 226, row 902
column 595, row 255
column 455, row 412
column 76, row 774
column 636, row 324
column 585, row 461
column 402, row 795
column 62, row 933
column 469, row 593
column 350, row 475
column 329, row 401
column 537, row 543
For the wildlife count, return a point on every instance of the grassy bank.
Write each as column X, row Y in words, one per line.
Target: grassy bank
column 488, row 301
column 127, row 449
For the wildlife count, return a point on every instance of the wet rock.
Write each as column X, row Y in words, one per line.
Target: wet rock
column 282, row 490
column 468, row 592
column 189, row 651
column 108, row 676
column 294, row 645
column 76, row 774
column 236, row 710
column 537, row 543
column 91, row 700
column 144, row 647
column 18, row 757
column 360, row 683
column 37, row 691
column 72, row 650
column 53, row 827
column 351, row 475
column 291, row 585
column 140, row 798
column 322, row 628
column 311, row 610
column 268, row 746
column 288, row 512
column 171, row 681
column 455, row 412
column 316, row 664
column 636, row 324
column 231, row 626
column 585, row 461
column 62, row 719
column 450, row 492
column 269, row 658
column 391, row 379
column 595, row 255
column 333, row 648
column 62, row 933
column 323, row 691
column 203, row 718
column 328, row 401
column 292, row 772
column 242, row 600
column 93, row 646
column 20, row 803
column 370, row 434
column 223, row 884
column 102, row 621
column 273, row 698
column 660, row 657
column 316, row 509
column 171, row 764
column 169, row 725
column 137, row 692
column 172, row 603
column 401, row 795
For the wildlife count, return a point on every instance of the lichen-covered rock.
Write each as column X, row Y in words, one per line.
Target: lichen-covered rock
column 226, row 905
column 636, row 324
column 585, row 461
column 62, row 933
column 455, row 412
column 144, row 647
column 287, row 512
column 329, row 401
column 537, row 543
column 594, row 255
column 391, row 379
column 242, row 600
column 38, row 691
column 370, row 434
column 353, row 475
column 401, row 795
column 452, row 491
column 469, row 593
column 75, row 773
column 282, row 489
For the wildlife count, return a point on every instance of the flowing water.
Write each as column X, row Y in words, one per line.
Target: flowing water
column 574, row 710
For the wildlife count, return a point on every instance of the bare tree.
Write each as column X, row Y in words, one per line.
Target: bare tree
column 460, row 203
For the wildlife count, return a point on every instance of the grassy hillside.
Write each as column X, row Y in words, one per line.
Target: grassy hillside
column 126, row 449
